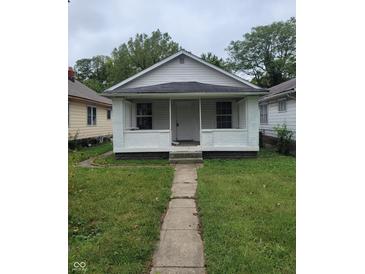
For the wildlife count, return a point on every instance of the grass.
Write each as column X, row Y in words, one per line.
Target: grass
column 111, row 160
column 114, row 214
column 247, row 210
column 87, row 152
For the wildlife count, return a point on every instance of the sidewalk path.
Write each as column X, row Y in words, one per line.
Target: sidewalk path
column 180, row 250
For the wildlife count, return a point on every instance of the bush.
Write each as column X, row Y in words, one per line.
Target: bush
column 284, row 138
column 72, row 141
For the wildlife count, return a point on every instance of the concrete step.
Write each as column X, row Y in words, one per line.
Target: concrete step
column 185, row 154
column 186, row 160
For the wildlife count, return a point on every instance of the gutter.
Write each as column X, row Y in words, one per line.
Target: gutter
column 288, row 92
column 189, row 94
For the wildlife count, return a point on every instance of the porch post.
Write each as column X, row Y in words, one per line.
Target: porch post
column 170, row 121
column 200, row 120
column 118, row 119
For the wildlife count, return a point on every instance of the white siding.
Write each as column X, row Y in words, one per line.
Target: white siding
column 242, row 114
column 160, row 115
column 276, row 118
column 147, row 140
column 189, row 71
column 223, row 138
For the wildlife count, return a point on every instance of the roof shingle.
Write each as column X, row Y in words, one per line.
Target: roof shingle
column 77, row 89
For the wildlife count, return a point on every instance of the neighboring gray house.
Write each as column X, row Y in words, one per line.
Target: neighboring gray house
column 185, row 104
column 278, row 107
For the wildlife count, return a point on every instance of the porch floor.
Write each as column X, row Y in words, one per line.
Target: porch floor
column 190, row 146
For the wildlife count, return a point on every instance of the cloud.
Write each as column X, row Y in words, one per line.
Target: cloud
column 96, row 27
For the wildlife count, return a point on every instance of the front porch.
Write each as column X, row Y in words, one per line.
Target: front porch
column 147, row 125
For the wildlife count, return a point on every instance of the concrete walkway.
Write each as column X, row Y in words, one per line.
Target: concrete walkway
column 180, row 249
column 89, row 162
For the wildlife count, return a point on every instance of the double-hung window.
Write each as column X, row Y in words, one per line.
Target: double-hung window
column 263, row 114
column 144, row 115
column 91, row 116
column 224, row 114
column 282, row 105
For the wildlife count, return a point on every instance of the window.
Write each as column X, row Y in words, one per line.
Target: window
column 91, row 116
column 144, row 116
column 108, row 114
column 224, row 114
column 263, row 114
column 282, row 105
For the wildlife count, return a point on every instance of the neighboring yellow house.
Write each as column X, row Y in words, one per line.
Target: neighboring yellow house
column 89, row 114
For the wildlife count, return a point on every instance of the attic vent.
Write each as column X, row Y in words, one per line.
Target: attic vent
column 181, row 59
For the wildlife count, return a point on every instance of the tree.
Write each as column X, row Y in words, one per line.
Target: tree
column 93, row 72
column 268, row 53
column 215, row 60
column 140, row 53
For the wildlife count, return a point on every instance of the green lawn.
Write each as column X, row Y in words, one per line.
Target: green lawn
column 114, row 214
column 247, row 210
column 111, row 160
column 85, row 153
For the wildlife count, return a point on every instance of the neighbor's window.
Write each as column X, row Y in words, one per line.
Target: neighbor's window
column 282, row 105
column 108, row 114
column 224, row 114
column 263, row 114
column 91, row 116
column 144, row 116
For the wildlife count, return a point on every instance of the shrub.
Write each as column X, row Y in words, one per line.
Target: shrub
column 72, row 140
column 284, row 138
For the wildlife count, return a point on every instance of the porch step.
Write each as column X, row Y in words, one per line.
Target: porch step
column 186, row 157
column 186, row 160
column 185, row 154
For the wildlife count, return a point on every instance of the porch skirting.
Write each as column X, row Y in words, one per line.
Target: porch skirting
column 165, row 155
column 229, row 154
column 141, row 155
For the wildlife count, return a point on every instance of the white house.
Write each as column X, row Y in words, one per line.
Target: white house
column 278, row 108
column 182, row 104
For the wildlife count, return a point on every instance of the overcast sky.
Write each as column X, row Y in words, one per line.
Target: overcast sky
column 96, row 27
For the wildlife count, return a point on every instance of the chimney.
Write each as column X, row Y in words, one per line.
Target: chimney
column 71, row 74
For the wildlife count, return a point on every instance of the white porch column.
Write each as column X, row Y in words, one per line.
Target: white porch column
column 170, row 121
column 253, row 121
column 118, row 124
column 200, row 120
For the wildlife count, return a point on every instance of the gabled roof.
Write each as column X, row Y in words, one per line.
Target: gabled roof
column 285, row 87
column 181, row 52
column 79, row 90
column 186, row 87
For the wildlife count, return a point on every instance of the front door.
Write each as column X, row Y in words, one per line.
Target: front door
column 185, row 120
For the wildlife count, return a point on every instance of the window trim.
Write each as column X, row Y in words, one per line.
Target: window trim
column 92, row 114
column 282, row 101
column 221, row 115
column 143, row 115
column 262, row 115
